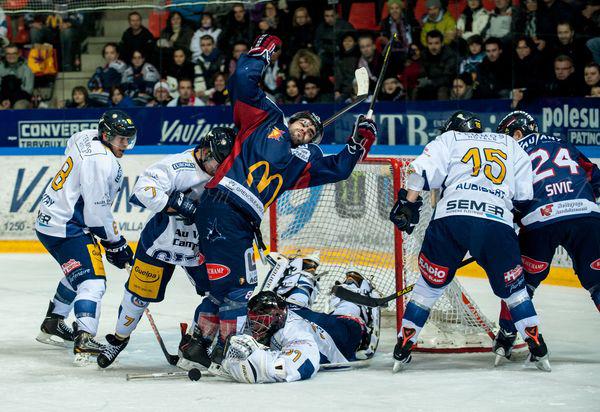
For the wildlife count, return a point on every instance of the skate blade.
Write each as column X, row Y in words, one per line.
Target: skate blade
column 399, row 366
column 187, row 364
column 84, row 359
column 542, row 364
column 53, row 340
column 501, row 357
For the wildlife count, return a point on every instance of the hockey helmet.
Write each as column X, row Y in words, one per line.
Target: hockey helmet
column 311, row 261
column 267, row 312
column 517, row 120
column 316, row 121
column 115, row 123
column 219, row 142
column 353, row 275
column 462, row 121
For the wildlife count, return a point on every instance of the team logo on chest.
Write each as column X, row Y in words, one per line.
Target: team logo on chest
column 213, row 233
column 276, row 134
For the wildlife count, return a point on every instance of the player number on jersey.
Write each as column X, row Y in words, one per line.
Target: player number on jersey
column 492, row 156
column 61, row 177
column 562, row 159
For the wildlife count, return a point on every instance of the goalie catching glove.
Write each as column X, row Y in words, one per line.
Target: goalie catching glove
column 264, row 46
column 405, row 214
column 363, row 136
column 118, row 253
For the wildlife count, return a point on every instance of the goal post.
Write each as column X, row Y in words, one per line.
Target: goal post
column 348, row 223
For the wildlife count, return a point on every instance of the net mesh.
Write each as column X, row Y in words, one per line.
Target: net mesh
column 348, row 223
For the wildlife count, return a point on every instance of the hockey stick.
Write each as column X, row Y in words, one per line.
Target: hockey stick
column 362, row 81
column 372, row 302
column 172, row 359
column 328, row 367
column 386, row 60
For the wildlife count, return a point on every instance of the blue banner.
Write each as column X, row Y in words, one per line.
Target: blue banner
column 412, row 123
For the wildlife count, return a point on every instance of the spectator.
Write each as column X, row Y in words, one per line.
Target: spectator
column 219, row 95
column 462, row 87
column 476, row 54
column 270, row 22
column 301, row 32
column 590, row 27
column 70, row 34
column 79, row 99
column 595, row 92
column 291, row 94
column 569, row 45
column 16, row 78
column 501, row 21
column 136, row 37
column 272, row 78
column 530, row 21
column 118, row 98
column 559, row 10
column 392, row 90
column 369, row 58
column 494, row 74
column 236, row 29
column 527, row 72
column 401, row 20
column 187, row 97
column 327, row 37
column 207, row 28
column 345, row 66
column 3, row 28
column 304, row 64
column 239, row 48
column 180, row 67
column 111, row 74
column 177, row 35
column 439, row 68
column 412, row 70
column 473, row 20
column 140, row 78
column 565, row 82
column 312, row 91
column 161, row 95
column 440, row 20
column 591, row 75
column 209, row 62
column 38, row 31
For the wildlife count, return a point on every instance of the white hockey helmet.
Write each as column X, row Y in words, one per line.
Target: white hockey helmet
column 314, row 257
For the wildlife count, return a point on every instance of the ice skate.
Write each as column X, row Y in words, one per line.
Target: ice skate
column 54, row 331
column 111, row 350
column 503, row 345
column 192, row 352
column 402, row 356
column 85, row 348
column 538, row 352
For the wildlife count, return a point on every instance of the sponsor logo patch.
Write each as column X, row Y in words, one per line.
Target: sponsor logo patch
column 276, row 134
column 435, row 274
column 533, row 266
column 595, row 264
column 546, row 210
column 217, row 271
column 513, row 275
column 138, row 302
column 70, row 266
column 145, row 280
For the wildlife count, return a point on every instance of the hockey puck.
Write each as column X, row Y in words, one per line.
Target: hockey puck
column 194, row 374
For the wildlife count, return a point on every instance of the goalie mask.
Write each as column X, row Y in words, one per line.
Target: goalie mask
column 463, row 121
column 267, row 313
column 517, row 120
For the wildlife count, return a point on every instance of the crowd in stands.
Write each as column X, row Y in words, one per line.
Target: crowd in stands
column 444, row 49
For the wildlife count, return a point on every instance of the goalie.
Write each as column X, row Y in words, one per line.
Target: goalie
column 289, row 342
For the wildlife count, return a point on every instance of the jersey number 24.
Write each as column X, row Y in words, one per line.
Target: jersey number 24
column 562, row 159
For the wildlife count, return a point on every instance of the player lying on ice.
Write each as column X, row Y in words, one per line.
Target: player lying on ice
column 288, row 341
column 563, row 212
column 76, row 208
column 270, row 156
column 170, row 189
column 481, row 175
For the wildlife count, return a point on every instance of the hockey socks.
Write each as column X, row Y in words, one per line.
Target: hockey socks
column 87, row 305
column 522, row 311
column 63, row 298
column 130, row 313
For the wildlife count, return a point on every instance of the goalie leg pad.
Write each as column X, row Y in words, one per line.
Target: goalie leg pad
column 130, row 312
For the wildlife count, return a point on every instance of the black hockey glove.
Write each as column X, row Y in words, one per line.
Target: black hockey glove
column 118, row 253
column 183, row 206
column 363, row 136
column 405, row 214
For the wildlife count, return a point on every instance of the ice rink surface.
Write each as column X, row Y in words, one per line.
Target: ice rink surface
column 37, row 377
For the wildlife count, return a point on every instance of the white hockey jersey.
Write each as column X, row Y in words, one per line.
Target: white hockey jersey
column 167, row 237
column 294, row 354
column 479, row 175
column 79, row 199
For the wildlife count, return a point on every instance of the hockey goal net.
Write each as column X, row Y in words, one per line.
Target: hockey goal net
column 348, row 223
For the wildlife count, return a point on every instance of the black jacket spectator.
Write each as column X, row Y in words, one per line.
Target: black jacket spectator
column 345, row 66
column 528, row 68
column 236, row 28
column 568, row 44
column 565, row 82
column 440, row 66
column 136, row 37
column 301, row 33
column 180, row 67
column 494, row 72
column 327, row 37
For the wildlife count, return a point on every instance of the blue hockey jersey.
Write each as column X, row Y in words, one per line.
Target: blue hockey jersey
column 565, row 184
column 263, row 163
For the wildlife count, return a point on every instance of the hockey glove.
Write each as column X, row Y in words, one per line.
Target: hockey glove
column 118, row 253
column 264, row 46
column 240, row 347
column 183, row 206
column 405, row 214
column 363, row 136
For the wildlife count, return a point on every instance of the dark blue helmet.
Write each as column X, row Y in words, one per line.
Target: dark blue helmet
column 219, row 142
column 517, row 120
column 115, row 123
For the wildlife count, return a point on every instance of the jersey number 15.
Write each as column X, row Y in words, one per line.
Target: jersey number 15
column 491, row 156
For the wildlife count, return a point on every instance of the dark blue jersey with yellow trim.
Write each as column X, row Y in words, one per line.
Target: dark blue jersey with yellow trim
column 263, row 163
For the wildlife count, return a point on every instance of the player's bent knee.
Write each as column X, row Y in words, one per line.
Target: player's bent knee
column 91, row 289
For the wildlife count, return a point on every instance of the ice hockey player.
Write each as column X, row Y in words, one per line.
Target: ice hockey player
column 289, row 343
column 269, row 157
column 170, row 189
column 563, row 212
column 76, row 208
column 481, row 173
